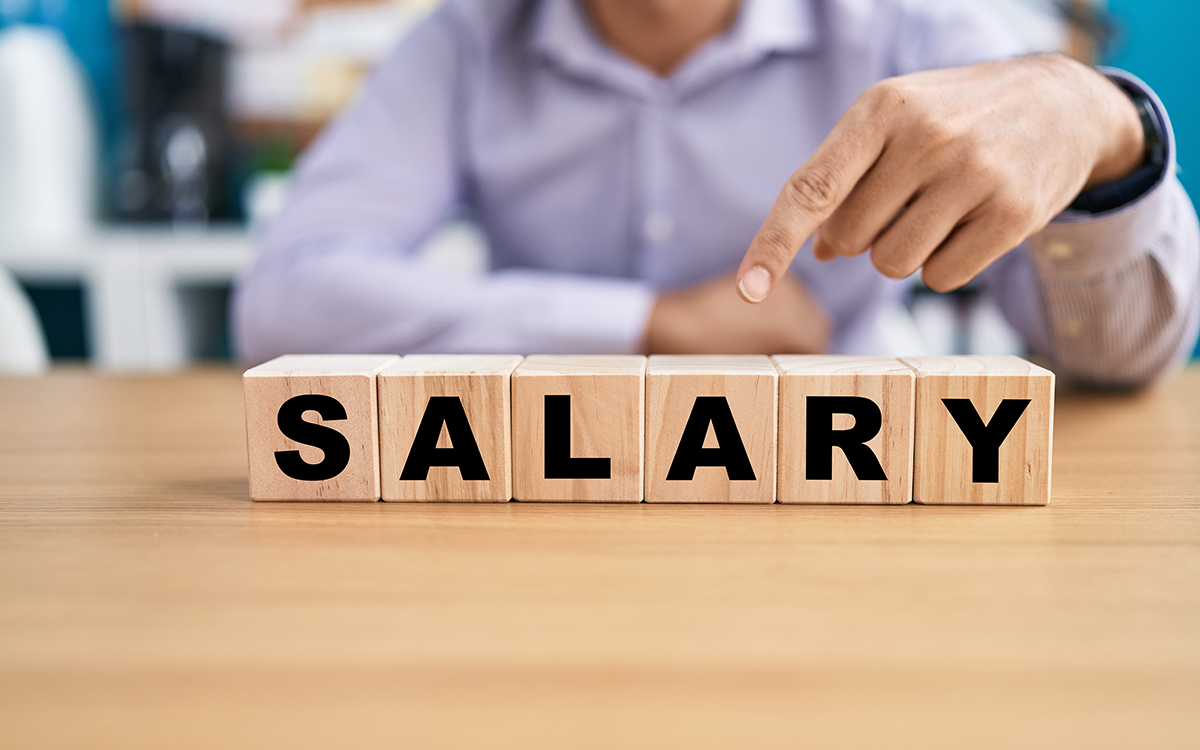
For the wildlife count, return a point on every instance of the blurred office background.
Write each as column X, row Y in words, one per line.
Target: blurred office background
column 142, row 141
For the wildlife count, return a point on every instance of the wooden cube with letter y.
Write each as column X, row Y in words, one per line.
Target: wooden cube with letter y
column 710, row 434
column 444, row 428
column 984, row 431
column 845, row 429
column 577, row 428
column 312, row 427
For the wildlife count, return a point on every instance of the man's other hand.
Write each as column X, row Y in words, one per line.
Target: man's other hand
column 710, row 318
column 947, row 170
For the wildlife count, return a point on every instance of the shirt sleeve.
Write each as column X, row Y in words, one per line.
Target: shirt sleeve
column 337, row 270
column 1113, row 297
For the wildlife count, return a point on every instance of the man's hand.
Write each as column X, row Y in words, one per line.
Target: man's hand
column 710, row 319
column 947, row 170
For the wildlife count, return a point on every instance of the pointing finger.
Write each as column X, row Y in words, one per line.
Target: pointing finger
column 808, row 198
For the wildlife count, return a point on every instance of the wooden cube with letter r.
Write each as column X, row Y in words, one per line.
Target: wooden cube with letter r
column 984, row 431
column 444, row 428
column 710, row 434
column 312, row 427
column 845, row 429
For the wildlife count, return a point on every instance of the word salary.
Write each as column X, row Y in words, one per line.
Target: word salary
column 618, row 428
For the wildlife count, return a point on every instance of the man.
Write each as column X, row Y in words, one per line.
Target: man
column 621, row 156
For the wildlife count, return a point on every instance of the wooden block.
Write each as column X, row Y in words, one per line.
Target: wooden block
column 845, row 429
column 444, row 428
column 577, row 428
column 984, row 431
column 711, row 429
column 312, row 427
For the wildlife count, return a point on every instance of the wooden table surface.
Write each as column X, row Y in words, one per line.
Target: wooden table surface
column 146, row 602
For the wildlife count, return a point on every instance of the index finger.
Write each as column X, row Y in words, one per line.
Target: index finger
column 808, row 198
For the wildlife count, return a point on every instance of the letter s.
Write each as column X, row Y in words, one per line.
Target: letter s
column 330, row 441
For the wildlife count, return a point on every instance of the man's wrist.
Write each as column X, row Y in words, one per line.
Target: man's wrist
column 1125, row 149
column 666, row 326
column 1156, row 157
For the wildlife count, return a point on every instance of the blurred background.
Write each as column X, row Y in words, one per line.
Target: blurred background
column 143, row 141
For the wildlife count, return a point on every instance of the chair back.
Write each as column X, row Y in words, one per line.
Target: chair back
column 22, row 344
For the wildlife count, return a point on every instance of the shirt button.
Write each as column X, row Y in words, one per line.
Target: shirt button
column 1071, row 327
column 658, row 228
column 1058, row 250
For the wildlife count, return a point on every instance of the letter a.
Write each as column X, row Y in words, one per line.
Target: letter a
column 464, row 453
column 691, row 452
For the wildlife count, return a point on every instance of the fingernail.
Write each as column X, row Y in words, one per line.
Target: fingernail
column 755, row 284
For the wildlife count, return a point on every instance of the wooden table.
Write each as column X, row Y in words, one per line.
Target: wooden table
column 146, row 602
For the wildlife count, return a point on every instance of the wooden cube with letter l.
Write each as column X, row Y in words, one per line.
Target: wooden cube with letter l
column 845, row 429
column 985, row 429
column 710, row 435
column 444, row 428
column 312, row 427
column 577, row 428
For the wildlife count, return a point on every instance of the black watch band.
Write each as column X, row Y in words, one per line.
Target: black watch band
column 1152, row 128
column 1122, row 192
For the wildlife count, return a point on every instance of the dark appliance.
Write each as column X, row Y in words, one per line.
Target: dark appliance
column 173, row 164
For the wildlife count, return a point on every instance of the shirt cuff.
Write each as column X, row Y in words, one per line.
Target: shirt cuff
column 587, row 314
column 1083, row 244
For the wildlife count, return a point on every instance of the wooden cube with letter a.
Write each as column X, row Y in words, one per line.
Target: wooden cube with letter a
column 845, row 429
column 710, row 436
column 577, row 428
column 444, row 428
column 312, row 427
column 984, row 431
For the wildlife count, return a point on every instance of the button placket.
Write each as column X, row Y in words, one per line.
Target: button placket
column 658, row 228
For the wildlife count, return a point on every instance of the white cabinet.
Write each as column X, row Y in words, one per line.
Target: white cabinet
column 136, row 285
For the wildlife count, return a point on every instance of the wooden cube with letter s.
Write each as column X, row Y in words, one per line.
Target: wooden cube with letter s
column 312, row 427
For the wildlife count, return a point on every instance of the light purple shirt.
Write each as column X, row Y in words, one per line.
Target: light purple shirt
column 598, row 184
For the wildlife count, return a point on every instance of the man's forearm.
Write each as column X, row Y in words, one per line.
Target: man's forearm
column 346, row 300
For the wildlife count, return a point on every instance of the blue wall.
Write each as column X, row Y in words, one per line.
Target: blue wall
column 1160, row 43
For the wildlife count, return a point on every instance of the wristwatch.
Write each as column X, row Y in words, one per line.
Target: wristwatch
column 1152, row 128
column 1122, row 192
